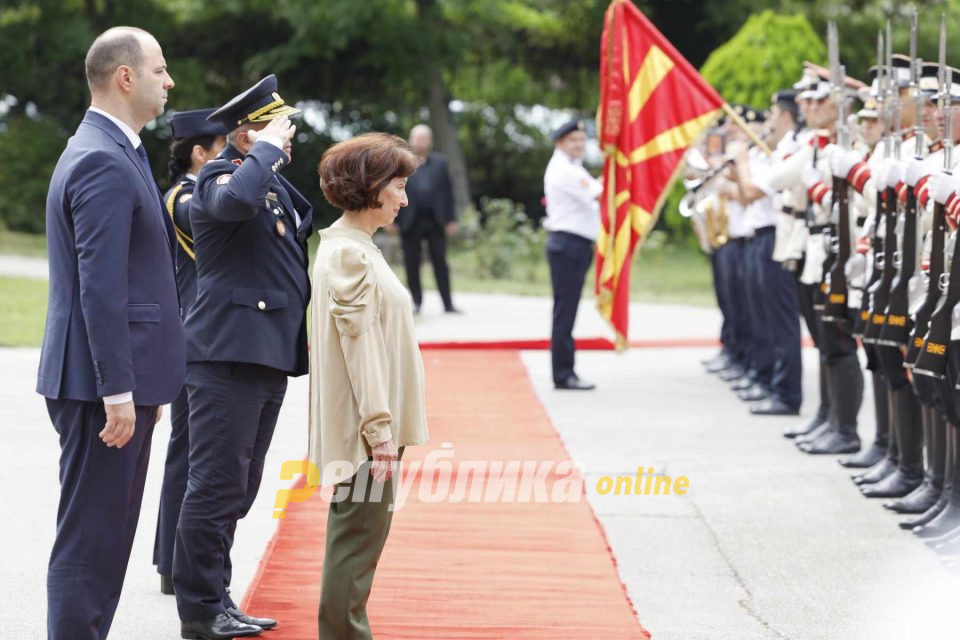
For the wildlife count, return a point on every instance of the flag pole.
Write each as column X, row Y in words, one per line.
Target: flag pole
column 737, row 120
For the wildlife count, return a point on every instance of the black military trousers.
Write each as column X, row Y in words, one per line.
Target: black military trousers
column 233, row 413
column 426, row 228
column 731, row 259
column 101, row 489
column 174, row 484
column 776, row 321
column 805, row 297
column 726, row 328
column 569, row 256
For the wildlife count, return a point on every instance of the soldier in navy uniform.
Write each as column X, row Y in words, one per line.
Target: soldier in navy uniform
column 246, row 333
column 195, row 142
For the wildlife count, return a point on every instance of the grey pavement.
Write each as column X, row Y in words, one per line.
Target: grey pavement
column 23, row 267
column 768, row 543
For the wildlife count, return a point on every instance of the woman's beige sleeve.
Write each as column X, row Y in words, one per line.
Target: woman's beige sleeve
column 354, row 302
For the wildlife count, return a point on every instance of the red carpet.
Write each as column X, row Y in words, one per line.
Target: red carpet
column 584, row 344
column 466, row 569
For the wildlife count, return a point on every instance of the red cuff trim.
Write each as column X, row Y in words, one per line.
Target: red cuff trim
column 923, row 191
column 901, row 192
column 858, row 176
column 818, row 192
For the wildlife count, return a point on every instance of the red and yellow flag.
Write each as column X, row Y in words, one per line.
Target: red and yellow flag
column 653, row 106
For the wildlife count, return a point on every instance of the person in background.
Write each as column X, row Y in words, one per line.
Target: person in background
column 430, row 215
column 573, row 223
column 195, row 142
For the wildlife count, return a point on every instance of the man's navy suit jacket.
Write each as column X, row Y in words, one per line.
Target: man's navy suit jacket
column 113, row 321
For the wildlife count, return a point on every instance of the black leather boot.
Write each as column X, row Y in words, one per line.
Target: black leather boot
column 909, row 432
column 888, row 464
column 949, row 432
column 827, row 372
column 875, row 452
column 846, row 380
column 822, row 414
column 929, row 491
column 948, row 519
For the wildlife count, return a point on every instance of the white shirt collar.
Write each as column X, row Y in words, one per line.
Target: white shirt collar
column 127, row 131
column 191, row 177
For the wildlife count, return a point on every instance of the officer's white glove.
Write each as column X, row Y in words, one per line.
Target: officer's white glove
column 894, row 174
column 878, row 176
column 915, row 170
column 842, row 162
column 811, row 176
column 855, row 269
column 944, row 185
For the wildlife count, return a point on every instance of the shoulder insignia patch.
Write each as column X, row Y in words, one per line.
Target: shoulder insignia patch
column 223, row 178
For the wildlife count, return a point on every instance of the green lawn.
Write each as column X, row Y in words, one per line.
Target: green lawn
column 23, row 305
column 670, row 275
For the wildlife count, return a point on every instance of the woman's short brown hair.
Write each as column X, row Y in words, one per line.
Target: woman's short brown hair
column 355, row 171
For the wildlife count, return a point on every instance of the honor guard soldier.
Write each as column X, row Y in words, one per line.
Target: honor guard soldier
column 195, row 142
column 246, row 333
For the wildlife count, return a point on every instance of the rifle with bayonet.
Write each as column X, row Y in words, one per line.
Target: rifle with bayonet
column 932, row 359
column 939, row 230
column 887, row 197
column 895, row 330
column 835, row 309
column 876, row 239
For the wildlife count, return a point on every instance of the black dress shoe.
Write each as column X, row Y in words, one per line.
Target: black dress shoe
column 917, row 501
column 833, row 442
column 742, row 384
column 223, row 627
column 756, row 393
column 717, row 362
column 451, row 310
column 865, row 459
column 240, row 616
column 731, row 373
column 896, row 485
column 574, row 383
column 818, row 419
column 771, row 406
column 927, row 515
column 166, row 585
column 876, row 473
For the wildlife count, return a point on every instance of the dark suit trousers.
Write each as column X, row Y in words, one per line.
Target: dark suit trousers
column 424, row 228
column 233, row 412
column 569, row 256
column 100, row 493
column 174, row 484
column 731, row 258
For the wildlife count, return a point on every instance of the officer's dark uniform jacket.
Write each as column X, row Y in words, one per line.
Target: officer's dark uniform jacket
column 251, row 258
column 176, row 203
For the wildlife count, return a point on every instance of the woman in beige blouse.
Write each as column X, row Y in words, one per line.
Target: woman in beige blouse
column 366, row 375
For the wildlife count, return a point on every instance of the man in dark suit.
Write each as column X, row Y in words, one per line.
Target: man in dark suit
column 430, row 216
column 195, row 142
column 113, row 347
column 246, row 333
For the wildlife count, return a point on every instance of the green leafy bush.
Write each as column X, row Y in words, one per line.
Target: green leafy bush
column 506, row 244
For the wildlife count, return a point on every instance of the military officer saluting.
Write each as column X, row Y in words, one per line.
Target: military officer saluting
column 195, row 142
column 246, row 333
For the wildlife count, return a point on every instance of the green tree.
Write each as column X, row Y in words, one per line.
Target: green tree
column 766, row 55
